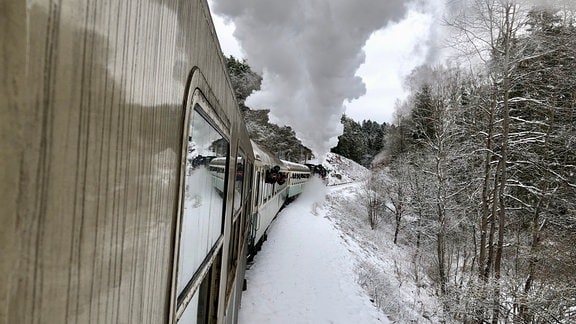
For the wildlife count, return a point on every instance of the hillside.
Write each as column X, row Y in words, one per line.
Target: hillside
column 323, row 264
column 343, row 170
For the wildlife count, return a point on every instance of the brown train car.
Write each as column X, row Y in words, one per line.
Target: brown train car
column 111, row 112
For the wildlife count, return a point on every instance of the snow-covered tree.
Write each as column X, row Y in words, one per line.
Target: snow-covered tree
column 374, row 197
column 492, row 165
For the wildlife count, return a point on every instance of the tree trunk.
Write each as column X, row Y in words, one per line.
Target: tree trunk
column 523, row 311
column 398, row 207
column 509, row 12
column 482, row 265
column 396, row 230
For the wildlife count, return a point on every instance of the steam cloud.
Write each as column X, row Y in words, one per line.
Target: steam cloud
column 307, row 53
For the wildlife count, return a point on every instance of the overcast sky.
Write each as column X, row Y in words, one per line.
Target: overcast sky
column 323, row 58
column 320, row 59
column 391, row 53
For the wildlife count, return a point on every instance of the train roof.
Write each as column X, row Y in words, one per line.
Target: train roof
column 266, row 157
column 292, row 166
column 218, row 161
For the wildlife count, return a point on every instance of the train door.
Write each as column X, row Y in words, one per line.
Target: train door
column 237, row 248
column 250, row 193
column 259, row 197
column 252, row 223
column 235, row 234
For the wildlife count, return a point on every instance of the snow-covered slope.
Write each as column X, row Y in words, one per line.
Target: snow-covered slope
column 343, row 170
column 323, row 263
column 305, row 273
column 386, row 271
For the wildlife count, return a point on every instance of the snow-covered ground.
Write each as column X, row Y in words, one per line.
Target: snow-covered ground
column 305, row 272
column 323, row 264
column 343, row 170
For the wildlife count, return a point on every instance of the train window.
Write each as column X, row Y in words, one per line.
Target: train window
column 203, row 206
column 190, row 315
column 239, row 184
column 202, row 307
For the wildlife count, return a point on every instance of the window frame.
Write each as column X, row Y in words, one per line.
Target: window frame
column 197, row 105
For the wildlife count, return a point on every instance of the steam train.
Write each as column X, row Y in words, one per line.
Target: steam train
column 130, row 189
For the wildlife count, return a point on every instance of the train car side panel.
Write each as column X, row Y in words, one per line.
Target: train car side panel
column 12, row 45
column 99, row 148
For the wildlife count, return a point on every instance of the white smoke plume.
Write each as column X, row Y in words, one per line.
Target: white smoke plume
column 307, row 52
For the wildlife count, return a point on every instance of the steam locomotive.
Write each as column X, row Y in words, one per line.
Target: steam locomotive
column 131, row 191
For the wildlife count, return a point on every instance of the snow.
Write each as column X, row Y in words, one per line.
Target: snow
column 322, row 263
column 305, row 272
column 342, row 170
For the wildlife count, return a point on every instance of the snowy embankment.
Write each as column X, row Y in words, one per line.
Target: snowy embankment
column 323, row 264
column 389, row 273
column 342, row 170
column 305, row 272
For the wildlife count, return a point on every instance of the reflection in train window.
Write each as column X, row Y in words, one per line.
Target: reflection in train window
column 239, row 185
column 203, row 206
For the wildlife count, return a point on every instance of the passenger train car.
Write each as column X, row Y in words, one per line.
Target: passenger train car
column 130, row 190
column 276, row 181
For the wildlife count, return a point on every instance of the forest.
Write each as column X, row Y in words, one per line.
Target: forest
column 480, row 168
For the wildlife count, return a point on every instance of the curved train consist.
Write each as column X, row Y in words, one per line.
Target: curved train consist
column 131, row 191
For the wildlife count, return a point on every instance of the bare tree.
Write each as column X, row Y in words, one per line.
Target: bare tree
column 395, row 192
column 523, row 176
column 438, row 138
column 374, row 198
column 492, row 167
